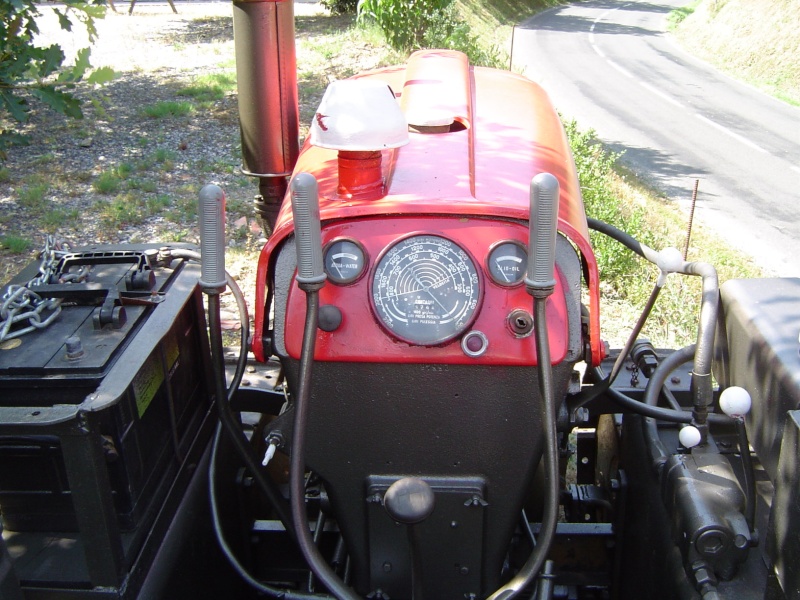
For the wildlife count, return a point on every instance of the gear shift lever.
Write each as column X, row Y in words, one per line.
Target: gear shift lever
column 410, row 501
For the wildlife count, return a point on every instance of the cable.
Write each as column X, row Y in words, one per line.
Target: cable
column 229, row 422
column 658, row 453
column 228, row 551
column 748, row 473
column 224, row 410
column 297, row 464
column 533, row 565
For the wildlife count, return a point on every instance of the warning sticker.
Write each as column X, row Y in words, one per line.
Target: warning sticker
column 147, row 382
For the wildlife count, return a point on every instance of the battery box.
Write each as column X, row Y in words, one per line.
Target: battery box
column 102, row 404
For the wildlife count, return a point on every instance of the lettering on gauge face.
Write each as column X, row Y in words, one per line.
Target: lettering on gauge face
column 507, row 263
column 345, row 261
column 425, row 290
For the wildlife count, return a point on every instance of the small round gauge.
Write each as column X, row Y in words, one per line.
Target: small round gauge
column 426, row 290
column 345, row 261
column 507, row 263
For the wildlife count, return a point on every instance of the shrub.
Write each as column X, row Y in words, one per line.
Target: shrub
column 403, row 22
column 340, row 7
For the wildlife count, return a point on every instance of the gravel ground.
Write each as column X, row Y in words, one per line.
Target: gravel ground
column 53, row 184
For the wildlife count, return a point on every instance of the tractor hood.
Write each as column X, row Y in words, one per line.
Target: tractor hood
column 476, row 138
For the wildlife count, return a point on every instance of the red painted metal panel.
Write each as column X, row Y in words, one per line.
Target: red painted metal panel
column 508, row 132
column 360, row 338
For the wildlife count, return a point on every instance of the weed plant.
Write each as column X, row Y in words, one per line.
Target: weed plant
column 33, row 195
column 108, row 182
column 413, row 24
column 168, row 109
column 210, row 88
column 16, row 244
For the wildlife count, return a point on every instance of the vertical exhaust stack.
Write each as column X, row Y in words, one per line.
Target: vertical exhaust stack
column 266, row 70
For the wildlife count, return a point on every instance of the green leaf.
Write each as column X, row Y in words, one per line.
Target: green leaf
column 102, row 75
column 15, row 105
column 10, row 138
column 63, row 20
column 82, row 64
column 59, row 101
column 50, row 60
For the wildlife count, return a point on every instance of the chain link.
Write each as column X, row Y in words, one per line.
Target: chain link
column 21, row 304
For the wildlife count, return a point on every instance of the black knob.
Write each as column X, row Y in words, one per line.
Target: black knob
column 409, row 500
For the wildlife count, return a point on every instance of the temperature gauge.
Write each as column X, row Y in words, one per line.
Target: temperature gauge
column 345, row 261
column 507, row 263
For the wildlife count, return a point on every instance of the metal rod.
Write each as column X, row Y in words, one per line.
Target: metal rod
column 691, row 219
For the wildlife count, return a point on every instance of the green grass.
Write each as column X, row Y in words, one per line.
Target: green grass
column 59, row 218
column 210, row 88
column 128, row 209
column 33, row 195
column 142, row 185
column 108, row 182
column 168, row 109
column 15, row 244
column 677, row 16
column 755, row 42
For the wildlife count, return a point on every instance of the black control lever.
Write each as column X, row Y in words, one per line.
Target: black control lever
column 409, row 501
column 540, row 281
column 310, row 278
column 540, row 278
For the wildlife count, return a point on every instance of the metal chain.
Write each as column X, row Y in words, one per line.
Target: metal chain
column 20, row 304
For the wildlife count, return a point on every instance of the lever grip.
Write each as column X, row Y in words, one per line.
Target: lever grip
column 540, row 277
column 211, row 212
column 307, row 236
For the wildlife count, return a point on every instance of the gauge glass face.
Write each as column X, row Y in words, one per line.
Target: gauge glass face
column 345, row 261
column 426, row 290
column 507, row 263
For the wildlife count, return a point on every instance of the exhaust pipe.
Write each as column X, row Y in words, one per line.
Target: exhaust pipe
column 266, row 71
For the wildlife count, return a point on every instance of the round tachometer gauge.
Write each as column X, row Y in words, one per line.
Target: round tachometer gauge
column 426, row 290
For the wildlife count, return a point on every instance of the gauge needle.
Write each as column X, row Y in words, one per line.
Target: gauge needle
column 499, row 266
column 427, row 288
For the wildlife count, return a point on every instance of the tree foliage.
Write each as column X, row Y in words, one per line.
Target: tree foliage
column 31, row 73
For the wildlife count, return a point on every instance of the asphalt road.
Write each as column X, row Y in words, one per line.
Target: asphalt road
column 610, row 66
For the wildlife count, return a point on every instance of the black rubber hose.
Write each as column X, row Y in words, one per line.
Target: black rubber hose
column 533, row 565
column 623, row 238
column 297, row 466
column 657, row 412
column 229, row 422
column 658, row 453
column 228, row 551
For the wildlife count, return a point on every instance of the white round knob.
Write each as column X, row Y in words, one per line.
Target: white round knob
column 689, row 436
column 735, row 401
column 669, row 260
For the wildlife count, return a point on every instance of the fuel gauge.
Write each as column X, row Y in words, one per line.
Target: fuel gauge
column 507, row 263
column 345, row 261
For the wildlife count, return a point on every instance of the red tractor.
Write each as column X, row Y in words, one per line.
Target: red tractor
column 426, row 360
